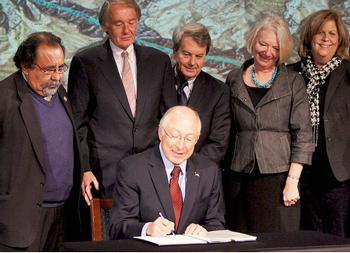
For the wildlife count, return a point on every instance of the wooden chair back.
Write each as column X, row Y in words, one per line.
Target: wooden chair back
column 99, row 215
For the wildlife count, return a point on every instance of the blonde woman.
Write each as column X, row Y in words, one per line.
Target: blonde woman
column 271, row 131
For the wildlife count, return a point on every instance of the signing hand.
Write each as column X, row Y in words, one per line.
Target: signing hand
column 160, row 227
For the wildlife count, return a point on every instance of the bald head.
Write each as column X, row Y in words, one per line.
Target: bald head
column 178, row 132
column 181, row 113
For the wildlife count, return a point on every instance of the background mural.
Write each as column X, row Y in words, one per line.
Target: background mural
column 228, row 22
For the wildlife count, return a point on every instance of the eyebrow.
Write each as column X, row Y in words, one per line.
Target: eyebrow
column 54, row 66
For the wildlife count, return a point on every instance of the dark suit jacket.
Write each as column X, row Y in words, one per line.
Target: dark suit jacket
column 22, row 175
column 142, row 191
column 336, row 119
column 211, row 99
column 108, row 131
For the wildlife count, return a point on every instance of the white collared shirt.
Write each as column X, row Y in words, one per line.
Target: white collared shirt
column 169, row 166
column 117, row 55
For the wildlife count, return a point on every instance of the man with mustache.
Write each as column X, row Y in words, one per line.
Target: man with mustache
column 39, row 155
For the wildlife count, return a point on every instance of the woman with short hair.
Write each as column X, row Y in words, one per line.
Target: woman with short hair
column 271, row 131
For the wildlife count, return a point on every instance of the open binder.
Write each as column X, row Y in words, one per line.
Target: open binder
column 218, row 236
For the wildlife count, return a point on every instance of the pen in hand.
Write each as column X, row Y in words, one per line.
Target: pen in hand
column 172, row 230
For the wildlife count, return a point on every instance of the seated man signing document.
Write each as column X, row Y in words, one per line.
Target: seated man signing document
column 168, row 188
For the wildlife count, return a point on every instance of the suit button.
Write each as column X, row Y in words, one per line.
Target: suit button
column 134, row 129
column 329, row 139
column 42, row 184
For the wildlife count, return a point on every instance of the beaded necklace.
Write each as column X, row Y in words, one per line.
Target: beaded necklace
column 264, row 85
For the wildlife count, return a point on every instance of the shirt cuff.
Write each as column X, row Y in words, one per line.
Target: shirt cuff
column 144, row 229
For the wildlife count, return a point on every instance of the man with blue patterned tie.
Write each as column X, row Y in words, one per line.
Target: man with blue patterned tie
column 201, row 91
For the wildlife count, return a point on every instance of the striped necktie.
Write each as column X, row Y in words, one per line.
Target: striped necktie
column 128, row 82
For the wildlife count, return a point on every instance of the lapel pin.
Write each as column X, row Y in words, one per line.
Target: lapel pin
column 65, row 98
column 196, row 174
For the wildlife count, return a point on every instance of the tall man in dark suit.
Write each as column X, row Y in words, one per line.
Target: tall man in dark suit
column 118, row 90
column 174, row 187
column 38, row 148
column 201, row 91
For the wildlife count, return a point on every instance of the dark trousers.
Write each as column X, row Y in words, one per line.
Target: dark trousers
column 325, row 209
column 50, row 235
column 259, row 204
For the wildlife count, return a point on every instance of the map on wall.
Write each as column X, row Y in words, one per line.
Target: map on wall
column 77, row 24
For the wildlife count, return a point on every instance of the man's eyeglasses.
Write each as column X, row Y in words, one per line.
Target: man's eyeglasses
column 52, row 70
column 189, row 139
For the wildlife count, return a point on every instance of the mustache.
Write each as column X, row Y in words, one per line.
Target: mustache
column 52, row 84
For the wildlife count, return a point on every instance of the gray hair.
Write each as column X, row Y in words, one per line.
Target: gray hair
column 178, row 112
column 103, row 15
column 280, row 28
column 198, row 32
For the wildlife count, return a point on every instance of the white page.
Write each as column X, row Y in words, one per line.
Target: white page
column 171, row 240
column 227, row 235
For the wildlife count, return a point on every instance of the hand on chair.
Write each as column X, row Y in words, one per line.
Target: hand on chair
column 88, row 180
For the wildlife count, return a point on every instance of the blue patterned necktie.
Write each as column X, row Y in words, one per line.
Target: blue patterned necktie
column 181, row 95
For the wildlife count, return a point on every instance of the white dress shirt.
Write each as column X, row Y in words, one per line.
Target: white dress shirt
column 117, row 55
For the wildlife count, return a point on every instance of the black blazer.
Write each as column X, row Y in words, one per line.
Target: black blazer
column 211, row 99
column 22, row 174
column 336, row 119
column 139, row 199
column 108, row 132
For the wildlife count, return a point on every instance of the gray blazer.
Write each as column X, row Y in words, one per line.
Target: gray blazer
column 277, row 131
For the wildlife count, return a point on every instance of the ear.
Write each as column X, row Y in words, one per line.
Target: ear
column 24, row 69
column 160, row 132
column 174, row 55
column 104, row 28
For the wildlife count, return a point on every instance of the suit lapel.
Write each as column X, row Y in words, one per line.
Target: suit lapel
column 141, row 84
column 160, row 182
column 30, row 119
column 193, row 178
column 334, row 81
column 64, row 100
column 198, row 91
column 109, row 69
column 239, row 91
